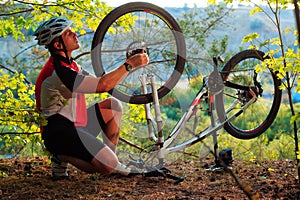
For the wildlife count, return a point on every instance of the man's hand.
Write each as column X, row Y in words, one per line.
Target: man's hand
column 138, row 60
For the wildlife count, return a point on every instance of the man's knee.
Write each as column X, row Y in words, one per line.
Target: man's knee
column 116, row 104
column 105, row 161
column 111, row 103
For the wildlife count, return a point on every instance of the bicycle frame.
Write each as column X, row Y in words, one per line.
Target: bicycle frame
column 216, row 111
column 216, row 124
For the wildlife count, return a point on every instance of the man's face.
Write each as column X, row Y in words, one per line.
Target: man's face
column 70, row 40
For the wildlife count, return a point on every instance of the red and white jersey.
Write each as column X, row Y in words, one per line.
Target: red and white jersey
column 55, row 90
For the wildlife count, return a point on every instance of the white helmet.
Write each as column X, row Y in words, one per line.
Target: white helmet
column 51, row 29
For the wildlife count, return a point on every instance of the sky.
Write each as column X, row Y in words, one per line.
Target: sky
column 162, row 3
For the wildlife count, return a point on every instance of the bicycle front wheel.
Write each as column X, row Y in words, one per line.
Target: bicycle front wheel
column 140, row 25
column 257, row 118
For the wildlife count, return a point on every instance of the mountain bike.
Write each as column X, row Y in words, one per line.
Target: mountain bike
column 235, row 97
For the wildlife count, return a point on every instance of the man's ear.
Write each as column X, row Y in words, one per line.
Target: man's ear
column 57, row 45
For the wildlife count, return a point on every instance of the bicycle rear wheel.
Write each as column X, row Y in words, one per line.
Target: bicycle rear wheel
column 140, row 25
column 258, row 117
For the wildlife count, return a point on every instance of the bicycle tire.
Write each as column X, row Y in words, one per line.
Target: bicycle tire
column 133, row 25
column 254, row 121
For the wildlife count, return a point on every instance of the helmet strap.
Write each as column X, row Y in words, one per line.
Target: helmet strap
column 64, row 47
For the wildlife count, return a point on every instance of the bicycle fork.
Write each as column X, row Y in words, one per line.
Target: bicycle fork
column 160, row 170
column 149, row 117
column 158, row 119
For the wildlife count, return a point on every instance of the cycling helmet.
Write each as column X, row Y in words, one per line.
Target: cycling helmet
column 51, row 29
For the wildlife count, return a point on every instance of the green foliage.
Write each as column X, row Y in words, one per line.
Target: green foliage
column 18, row 114
column 284, row 59
column 260, row 148
column 284, row 56
column 19, row 17
column 17, row 103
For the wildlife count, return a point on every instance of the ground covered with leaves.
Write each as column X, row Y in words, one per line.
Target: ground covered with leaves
column 31, row 179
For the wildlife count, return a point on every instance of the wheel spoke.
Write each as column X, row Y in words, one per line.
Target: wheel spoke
column 240, row 72
column 140, row 26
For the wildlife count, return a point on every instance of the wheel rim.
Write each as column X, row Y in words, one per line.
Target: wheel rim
column 145, row 29
column 253, row 121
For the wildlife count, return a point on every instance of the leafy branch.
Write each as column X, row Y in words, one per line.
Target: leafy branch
column 287, row 64
column 19, row 133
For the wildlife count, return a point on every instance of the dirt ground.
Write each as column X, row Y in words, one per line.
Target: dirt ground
column 31, row 179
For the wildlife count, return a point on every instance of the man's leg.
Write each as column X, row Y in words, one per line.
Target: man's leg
column 104, row 162
column 111, row 111
column 79, row 147
column 105, row 117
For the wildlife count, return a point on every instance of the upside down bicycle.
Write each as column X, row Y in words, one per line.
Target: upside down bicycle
column 238, row 98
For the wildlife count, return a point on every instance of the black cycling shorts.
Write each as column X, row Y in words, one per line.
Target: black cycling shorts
column 61, row 137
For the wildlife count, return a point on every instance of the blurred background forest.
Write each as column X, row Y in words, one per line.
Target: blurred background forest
column 215, row 30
